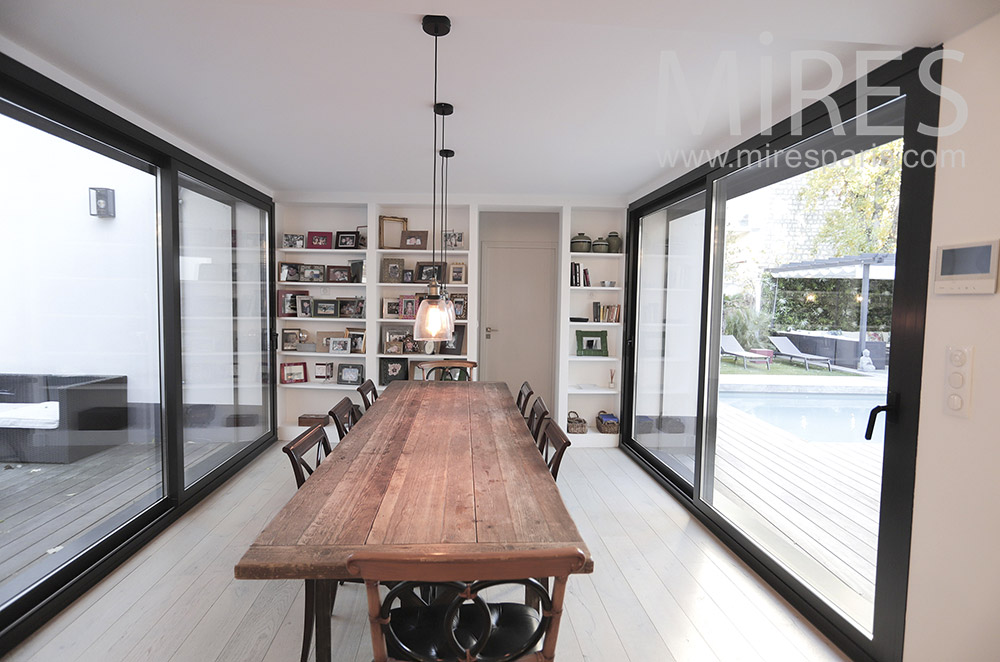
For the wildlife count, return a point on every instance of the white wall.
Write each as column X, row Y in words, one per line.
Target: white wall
column 953, row 610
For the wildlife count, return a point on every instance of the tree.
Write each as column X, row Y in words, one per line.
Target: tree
column 858, row 198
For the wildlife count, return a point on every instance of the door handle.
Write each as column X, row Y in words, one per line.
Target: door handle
column 891, row 402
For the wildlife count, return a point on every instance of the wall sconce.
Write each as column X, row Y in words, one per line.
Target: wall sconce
column 102, row 202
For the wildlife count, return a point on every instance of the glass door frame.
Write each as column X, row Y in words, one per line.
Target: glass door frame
column 909, row 313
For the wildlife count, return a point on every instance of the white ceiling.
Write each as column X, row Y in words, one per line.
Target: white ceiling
column 552, row 98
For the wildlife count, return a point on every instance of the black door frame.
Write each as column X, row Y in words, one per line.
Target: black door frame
column 909, row 314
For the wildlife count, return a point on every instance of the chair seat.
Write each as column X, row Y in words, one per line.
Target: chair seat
column 419, row 629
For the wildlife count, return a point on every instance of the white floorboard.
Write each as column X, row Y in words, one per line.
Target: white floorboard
column 664, row 589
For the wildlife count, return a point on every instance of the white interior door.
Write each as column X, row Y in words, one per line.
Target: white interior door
column 517, row 318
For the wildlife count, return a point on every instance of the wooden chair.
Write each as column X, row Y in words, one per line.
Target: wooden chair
column 447, row 371
column 552, row 446
column 536, row 419
column 368, row 393
column 297, row 450
column 345, row 414
column 459, row 625
column 522, row 398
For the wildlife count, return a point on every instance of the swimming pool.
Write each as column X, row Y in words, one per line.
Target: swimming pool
column 815, row 417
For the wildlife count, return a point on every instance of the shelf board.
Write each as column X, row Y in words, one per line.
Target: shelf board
column 423, row 285
column 338, row 357
column 349, row 320
column 596, row 287
column 594, row 439
column 417, row 251
column 596, row 324
column 575, row 389
column 292, row 284
column 439, row 357
column 594, row 358
column 606, row 255
column 398, row 320
column 325, row 251
column 322, row 386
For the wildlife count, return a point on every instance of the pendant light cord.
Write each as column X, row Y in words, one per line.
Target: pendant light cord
column 435, row 153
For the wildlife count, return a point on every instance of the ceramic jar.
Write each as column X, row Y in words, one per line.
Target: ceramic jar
column 600, row 245
column 580, row 243
column 615, row 242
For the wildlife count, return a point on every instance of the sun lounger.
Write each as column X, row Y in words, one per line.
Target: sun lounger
column 731, row 347
column 787, row 348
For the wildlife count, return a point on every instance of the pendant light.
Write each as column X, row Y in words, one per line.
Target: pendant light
column 434, row 320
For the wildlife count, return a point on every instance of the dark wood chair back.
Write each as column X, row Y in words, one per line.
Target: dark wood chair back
column 345, row 414
column 536, row 419
column 552, row 446
column 368, row 393
column 447, row 371
column 522, row 398
column 299, row 448
column 407, row 627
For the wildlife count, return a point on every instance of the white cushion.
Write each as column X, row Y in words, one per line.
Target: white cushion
column 33, row 416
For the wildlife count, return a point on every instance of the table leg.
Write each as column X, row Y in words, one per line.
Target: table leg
column 324, row 596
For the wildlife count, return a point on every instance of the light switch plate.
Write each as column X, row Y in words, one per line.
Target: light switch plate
column 958, row 380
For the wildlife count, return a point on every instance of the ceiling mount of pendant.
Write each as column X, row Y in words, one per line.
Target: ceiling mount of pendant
column 447, row 153
column 443, row 109
column 437, row 26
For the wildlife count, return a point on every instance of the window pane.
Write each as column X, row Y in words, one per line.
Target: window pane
column 224, row 326
column 79, row 351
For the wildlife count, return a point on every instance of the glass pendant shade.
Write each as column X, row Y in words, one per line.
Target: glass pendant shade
column 434, row 321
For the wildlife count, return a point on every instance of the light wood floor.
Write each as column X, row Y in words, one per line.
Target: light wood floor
column 663, row 589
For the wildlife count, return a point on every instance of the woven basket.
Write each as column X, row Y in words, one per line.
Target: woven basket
column 606, row 428
column 575, row 424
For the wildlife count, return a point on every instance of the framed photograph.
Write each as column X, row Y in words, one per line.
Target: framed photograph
column 319, row 240
column 591, row 343
column 289, row 340
column 391, row 369
column 362, row 231
column 287, row 304
column 347, row 240
column 353, row 307
column 293, row 241
column 414, row 240
column 392, row 270
column 326, row 308
column 312, row 273
column 394, row 347
column 457, row 344
column 453, row 239
column 390, row 231
column 324, row 371
column 340, row 346
column 293, row 373
column 358, row 274
column 351, row 373
column 390, row 308
column 461, row 302
column 407, row 275
column 357, row 338
column 336, row 274
column 456, row 272
column 289, row 272
column 304, row 306
column 408, row 307
column 428, row 271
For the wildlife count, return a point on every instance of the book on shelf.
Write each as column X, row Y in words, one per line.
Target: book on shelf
column 586, row 277
column 611, row 314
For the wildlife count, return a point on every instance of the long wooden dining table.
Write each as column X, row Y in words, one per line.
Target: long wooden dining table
column 442, row 468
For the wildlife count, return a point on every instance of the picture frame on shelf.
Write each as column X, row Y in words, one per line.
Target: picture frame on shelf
column 289, row 340
column 394, row 347
column 408, row 307
column 319, row 240
column 428, row 271
column 338, row 274
column 358, row 272
column 312, row 273
column 324, row 338
column 391, row 270
column 293, row 373
column 400, row 334
column 351, row 373
column 324, row 371
column 390, row 308
column 326, row 308
column 456, row 345
column 287, row 303
column 456, row 272
column 339, row 346
column 407, row 275
column 461, row 303
column 304, row 305
column 362, row 231
column 289, row 272
column 413, row 240
column 591, row 343
column 353, row 307
column 453, row 239
column 390, row 231
column 292, row 240
column 357, row 338
column 347, row 240
column 391, row 369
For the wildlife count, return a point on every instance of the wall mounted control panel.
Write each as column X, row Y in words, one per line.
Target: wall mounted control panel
column 967, row 268
column 958, row 381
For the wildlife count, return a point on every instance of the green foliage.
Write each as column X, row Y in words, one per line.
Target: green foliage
column 859, row 200
column 741, row 320
column 827, row 304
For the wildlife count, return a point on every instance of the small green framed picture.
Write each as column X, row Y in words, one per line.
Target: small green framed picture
column 591, row 343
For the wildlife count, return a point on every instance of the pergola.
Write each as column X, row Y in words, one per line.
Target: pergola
column 864, row 267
